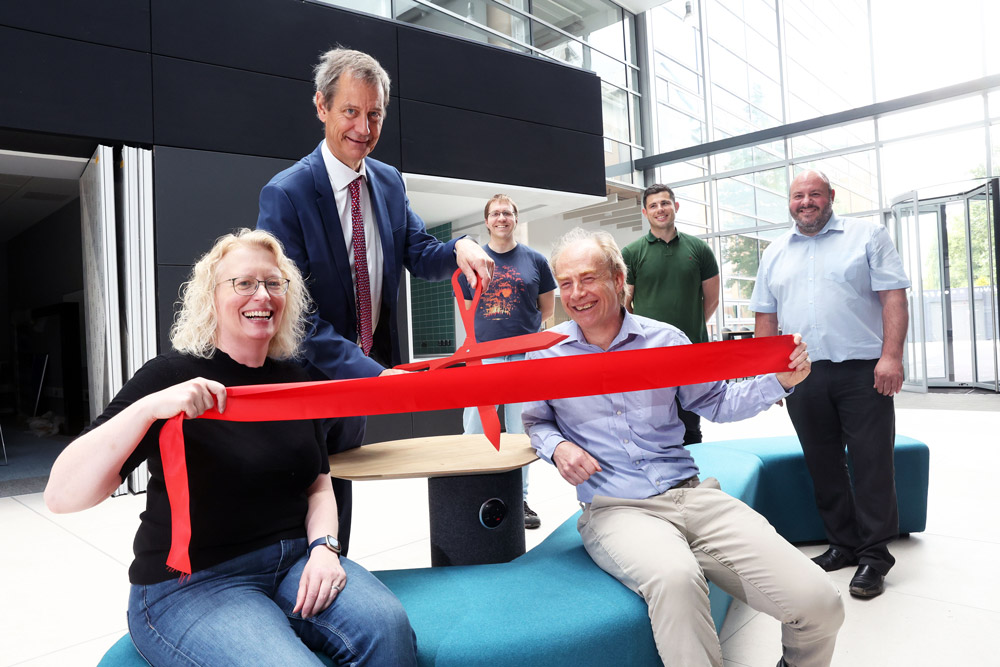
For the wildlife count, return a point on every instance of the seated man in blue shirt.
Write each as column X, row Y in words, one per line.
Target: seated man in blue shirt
column 648, row 520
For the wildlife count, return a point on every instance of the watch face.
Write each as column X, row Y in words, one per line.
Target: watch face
column 333, row 543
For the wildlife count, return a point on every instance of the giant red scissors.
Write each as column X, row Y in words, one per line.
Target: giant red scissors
column 471, row 352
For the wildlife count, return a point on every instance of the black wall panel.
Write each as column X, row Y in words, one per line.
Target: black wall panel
column 201, row 195
column 168, row 283
column 234, row 111
column 51, row 144
column 281, row 37
column 64, row 86
column 453, row 72
column 463, row 144
column 122, row 23
column 230, row 110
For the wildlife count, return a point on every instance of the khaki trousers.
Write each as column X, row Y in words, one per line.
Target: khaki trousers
column 665, row 548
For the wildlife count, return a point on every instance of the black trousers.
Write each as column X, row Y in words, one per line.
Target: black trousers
column 837, row 406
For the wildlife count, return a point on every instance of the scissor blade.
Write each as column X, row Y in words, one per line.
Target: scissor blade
column 491, row 424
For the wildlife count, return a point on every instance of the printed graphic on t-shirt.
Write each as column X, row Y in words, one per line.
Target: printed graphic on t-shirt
column 503, row 295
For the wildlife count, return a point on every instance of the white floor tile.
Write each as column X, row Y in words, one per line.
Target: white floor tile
column 49, row 571
column 942, row 603
column 739, row 615
column 86, row 653
column 897, row 629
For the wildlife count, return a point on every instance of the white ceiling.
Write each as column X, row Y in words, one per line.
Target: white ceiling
column 33, row 187
column 460, row 202
column 638, row 6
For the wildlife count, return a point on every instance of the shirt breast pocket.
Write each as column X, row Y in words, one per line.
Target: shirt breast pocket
column 843, row 269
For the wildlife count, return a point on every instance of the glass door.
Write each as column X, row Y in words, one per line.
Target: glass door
column 948, row 247
column 983, row 205
column 903, row 221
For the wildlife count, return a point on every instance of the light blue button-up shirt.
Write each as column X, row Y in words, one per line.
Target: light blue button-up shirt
column 826, row 287
column 636, row 437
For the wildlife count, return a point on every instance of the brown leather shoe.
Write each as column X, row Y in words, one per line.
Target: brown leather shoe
column 833, row 559
column 867, row 582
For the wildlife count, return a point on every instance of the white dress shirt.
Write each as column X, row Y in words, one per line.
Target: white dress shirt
column 341, row 176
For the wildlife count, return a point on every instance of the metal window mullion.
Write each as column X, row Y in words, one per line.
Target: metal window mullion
column 532, row 17
column 679, row 64
column 480, row 26
column 497, row 33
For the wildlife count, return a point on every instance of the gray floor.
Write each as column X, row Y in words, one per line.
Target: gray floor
column 29, row 458
column 63, row 578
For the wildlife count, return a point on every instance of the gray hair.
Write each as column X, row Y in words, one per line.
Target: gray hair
column 605, row 244
column 362, row 66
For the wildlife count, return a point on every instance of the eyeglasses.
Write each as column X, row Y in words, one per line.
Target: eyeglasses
column 248, row 286
column 502, row 214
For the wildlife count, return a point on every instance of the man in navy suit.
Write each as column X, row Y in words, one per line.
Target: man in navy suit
column 336, row 210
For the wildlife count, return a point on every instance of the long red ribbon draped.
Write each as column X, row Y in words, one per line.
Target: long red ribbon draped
column 514, row 382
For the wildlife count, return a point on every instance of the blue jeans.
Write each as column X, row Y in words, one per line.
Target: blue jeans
column 240, row 613
column 512, row 418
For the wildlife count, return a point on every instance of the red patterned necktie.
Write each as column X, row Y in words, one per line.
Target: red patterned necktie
column 362, row 288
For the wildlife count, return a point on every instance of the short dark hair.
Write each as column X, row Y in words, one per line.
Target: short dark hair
column 656, row 189
column 499, row 198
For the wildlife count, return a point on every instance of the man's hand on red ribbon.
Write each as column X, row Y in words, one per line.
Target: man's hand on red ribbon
column 322, row 580
column 799, row 362
column 574, row 463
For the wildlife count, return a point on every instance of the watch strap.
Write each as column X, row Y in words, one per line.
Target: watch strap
column 325, row 542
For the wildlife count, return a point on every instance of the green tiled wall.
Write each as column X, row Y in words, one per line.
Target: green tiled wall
column 433, row 310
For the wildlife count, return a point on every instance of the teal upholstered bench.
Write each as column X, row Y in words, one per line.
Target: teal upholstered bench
column 553, row 606
column 785, row 494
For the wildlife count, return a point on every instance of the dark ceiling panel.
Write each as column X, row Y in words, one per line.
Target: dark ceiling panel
column 454, row 143
column 64, row 86
column 235, row 111
column 454, row 72
column 281, row 37
column 122, row 23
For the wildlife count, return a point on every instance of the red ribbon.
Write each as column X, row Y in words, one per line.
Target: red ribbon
column 514, row 382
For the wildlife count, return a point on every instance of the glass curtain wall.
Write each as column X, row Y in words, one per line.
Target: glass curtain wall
column 596, row 35
column 731, row 67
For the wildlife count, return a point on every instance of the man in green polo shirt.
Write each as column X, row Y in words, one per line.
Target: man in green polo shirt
column 672, row 277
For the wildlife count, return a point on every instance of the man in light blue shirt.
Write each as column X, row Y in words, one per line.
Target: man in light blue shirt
column 840, row 282
column 648, row 520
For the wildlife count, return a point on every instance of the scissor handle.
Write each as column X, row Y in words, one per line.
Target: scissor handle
column 468, row 314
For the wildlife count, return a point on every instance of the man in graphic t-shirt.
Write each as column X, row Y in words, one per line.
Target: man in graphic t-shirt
column 520, row 296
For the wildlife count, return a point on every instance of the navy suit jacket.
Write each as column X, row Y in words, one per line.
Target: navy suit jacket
column 298, row 207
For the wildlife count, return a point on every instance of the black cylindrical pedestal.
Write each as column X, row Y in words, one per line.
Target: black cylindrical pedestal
column 462, row 507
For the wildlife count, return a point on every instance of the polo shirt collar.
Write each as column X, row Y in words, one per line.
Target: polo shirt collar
column 652, row 238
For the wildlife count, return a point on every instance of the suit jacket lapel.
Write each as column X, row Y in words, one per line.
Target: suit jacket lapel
column 377, row 191
column 326, row 203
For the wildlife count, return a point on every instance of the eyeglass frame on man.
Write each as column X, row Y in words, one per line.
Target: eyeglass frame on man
column 506, row 213
column 257, row 283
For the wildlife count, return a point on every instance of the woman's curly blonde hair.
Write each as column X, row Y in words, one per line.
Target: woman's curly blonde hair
column 195, row 325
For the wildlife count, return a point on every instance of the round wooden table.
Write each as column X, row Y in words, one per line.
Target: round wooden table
column 474, row 492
